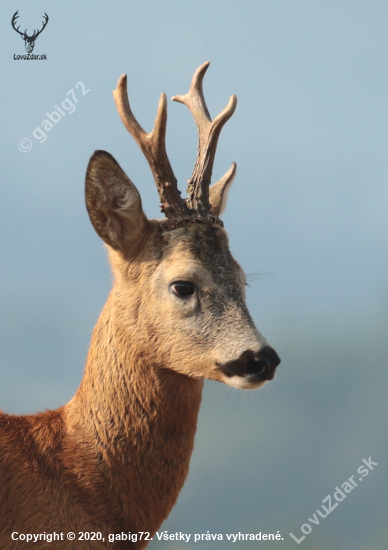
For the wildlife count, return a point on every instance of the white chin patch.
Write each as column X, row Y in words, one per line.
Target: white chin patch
column 242, row 383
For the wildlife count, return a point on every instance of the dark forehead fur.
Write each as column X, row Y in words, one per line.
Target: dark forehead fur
column 207, row 242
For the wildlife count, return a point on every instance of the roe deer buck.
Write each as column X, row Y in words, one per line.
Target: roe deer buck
column 115, row 457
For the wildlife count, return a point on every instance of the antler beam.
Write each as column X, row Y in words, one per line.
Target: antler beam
column 198, row 188
column 153, row 147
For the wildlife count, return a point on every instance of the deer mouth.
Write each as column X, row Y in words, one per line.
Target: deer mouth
column 254, row 367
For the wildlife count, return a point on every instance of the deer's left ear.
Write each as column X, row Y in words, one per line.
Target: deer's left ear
column 113, row 203
column 218, row 192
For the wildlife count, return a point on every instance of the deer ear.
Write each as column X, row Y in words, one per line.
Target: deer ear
column 113, row 202
column 218, row 192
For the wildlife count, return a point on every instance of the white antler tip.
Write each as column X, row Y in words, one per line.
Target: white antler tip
column 121, row 86
column 232, row 103
column 199, row 74
column 122, row 79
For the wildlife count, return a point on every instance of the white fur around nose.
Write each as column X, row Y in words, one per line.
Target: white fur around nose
column 242, row 383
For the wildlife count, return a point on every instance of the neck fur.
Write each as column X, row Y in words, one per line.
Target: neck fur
column 136, row 422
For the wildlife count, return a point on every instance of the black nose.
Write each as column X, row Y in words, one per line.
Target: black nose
column 258, row 365
column 266, row 358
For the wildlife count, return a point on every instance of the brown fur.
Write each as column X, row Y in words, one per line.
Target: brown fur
column 115, row 457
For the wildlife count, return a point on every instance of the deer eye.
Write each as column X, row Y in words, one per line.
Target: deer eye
column 182, row 288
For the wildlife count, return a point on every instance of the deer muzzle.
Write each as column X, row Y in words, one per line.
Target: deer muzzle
column 254, row 367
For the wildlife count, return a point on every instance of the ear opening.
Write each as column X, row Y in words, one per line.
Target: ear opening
column 218, row 192
column 113, row 202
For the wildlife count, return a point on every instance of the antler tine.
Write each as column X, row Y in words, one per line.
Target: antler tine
column 198, row 188
column 37, row 33
column 154, row 149
column 13, row 22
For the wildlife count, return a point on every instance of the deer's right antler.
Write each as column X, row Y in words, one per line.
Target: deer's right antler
column 153, row 147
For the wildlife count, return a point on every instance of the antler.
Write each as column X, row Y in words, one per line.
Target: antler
column 37, row 33
column 154, row 149
column 209, row 132
column 13, row 21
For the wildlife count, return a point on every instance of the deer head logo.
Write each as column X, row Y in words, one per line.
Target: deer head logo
column 29, row 41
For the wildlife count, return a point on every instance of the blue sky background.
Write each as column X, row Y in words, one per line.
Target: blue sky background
column 308, row 211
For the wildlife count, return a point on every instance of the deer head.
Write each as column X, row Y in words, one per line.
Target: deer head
column 179, row 288
column 29, row 41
